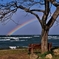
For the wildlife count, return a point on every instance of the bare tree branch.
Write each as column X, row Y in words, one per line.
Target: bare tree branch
column 37, row 10
column 46, row 13
column 54, row 2
column 2, row 15
column 53, row 18
column 29, row 11
column 16, row 6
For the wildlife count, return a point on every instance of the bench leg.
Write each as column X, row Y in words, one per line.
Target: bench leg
column 31, row 50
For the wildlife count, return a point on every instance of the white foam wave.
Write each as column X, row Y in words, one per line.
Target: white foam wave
column 53, row 37
column 4, row 39
column 22, row 40
column 25, row 37
column 36, row 36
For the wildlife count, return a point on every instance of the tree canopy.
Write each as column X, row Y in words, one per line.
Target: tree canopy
column 31, row 6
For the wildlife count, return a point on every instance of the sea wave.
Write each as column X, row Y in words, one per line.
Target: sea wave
column 53, row 37
column 36, row 36
column 22, row 40
column 25, row 37
column 4, row 39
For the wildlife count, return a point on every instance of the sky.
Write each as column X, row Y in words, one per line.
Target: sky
column 27, row 24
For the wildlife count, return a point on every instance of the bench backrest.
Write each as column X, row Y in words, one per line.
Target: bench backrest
column 38, row 46
column 34, row 46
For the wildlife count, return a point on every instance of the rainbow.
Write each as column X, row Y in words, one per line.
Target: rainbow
column 20, row 26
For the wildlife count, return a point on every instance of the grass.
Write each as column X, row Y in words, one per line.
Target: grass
column 3, row 52
column 14, row 54
column 22, row 54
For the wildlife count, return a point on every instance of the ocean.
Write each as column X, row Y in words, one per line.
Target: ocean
column 25, row 40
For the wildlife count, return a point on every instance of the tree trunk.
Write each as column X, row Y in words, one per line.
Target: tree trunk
column 44, row 41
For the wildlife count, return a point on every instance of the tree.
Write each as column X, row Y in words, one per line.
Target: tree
column 10, row 8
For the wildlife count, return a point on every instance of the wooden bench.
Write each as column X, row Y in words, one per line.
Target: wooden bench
column 38, row 46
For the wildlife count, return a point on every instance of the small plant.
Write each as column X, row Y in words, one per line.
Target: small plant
column 43, row 55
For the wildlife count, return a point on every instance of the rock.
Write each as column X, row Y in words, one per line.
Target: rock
column 56, row 51
column 49, row 56
column 40, row 57
column 33, row 56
